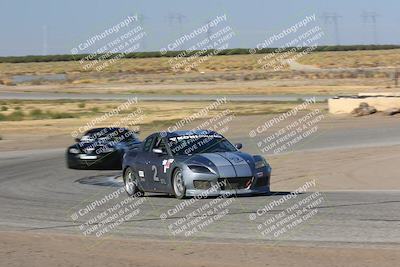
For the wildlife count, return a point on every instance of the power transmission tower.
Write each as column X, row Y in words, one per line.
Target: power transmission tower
column 209, row 31
column 141, row 18
column 370, row 17
column 178, row 17
column 44, row 36
column 334, row 19
column 171, row 19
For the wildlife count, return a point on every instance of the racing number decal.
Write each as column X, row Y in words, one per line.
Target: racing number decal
column 166, row 165
column 155, row 177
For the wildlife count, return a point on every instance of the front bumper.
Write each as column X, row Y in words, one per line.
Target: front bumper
column 213, row 185
column 233, row 192
column 111, row 161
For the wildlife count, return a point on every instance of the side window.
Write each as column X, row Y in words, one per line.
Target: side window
column 147, row 143
column 160, row 144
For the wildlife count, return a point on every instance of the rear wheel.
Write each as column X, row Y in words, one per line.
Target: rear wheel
column 178, row 184
column 131, row 183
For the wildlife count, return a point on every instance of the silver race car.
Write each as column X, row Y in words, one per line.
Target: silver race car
column 193, row 163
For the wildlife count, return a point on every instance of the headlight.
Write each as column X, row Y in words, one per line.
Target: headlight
column 261, row 163
column 74, row 151
column 199, row 169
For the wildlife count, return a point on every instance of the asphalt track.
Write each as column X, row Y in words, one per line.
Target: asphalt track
column 38, row 193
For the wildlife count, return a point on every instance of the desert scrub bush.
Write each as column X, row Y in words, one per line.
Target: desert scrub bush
column 4, row 108
column 81, row 105
column 60, row 115
column 16, row 116
column 37, row 114
column 36, row 82
column 95, row 109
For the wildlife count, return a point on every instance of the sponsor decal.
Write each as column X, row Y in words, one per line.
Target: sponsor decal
column 167, row 164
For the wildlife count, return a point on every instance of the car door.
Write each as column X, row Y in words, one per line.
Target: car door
column 142, row 162
column 157, row 165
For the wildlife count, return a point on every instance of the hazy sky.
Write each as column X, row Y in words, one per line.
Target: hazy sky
column 34, row 27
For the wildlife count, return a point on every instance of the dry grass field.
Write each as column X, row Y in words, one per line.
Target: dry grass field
column 235, row 74
column 354, row 59
column 135, row 65
column 79, row 111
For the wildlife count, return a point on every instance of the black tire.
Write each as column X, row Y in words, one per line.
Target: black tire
column 131, row 182
column 178, row 184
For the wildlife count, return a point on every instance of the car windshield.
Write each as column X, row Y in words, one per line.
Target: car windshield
column 108, row 135
column 194, row 144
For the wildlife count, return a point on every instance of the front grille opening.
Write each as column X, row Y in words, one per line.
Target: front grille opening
column 235, row 183
column 199, row 184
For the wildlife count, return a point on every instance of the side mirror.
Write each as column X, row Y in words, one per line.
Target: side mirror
column 77, row 140
column 238, row 146
column 158, row 151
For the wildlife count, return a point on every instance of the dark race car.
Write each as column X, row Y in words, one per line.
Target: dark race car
column 192, row 163
column 101, row 149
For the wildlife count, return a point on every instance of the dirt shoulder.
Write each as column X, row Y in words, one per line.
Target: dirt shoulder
column 34, row 249
column 347, row 169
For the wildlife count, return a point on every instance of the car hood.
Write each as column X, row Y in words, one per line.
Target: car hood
column 226, row 164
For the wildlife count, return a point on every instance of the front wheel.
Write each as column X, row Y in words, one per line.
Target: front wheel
column 131, row 183
column 178, row 184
